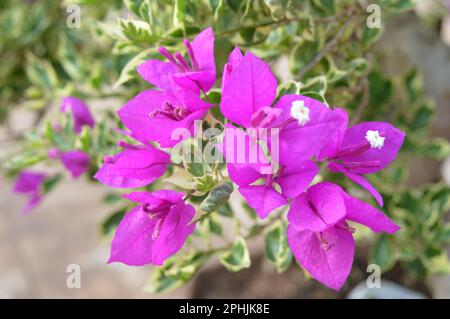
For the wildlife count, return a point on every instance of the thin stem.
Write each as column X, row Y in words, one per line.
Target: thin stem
column 364, row 101
column 279, row 23
column 327, row 47
column 189, row 194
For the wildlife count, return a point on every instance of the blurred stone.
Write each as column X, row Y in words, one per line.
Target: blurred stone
column 387, row 290
column 35, row 250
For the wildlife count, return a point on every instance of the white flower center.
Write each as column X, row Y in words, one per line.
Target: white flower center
column 374, row 138
column 300, row 112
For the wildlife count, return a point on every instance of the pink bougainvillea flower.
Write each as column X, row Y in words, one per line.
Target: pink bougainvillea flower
column 155, row 115
column 54, row 153
column 76, row 162
column 30, row 184
column 249, row 89
column 154, row 230
column 233, row 60
column 255, row 177
column 248, row 85
column 364, row 148
column 135, row 166
column 318, row 233
column 198, row 75
column 80, row 112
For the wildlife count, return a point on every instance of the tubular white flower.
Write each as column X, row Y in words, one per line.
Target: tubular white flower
column 374, row 138
column 300, row 112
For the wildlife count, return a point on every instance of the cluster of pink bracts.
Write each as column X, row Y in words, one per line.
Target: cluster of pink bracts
column 76, row 162
column 309, row 133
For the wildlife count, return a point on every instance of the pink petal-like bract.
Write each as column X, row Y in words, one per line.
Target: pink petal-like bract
column 154, row 230
column 363, row 213
column 358, row 179
column 135, row 166
column 76, row 162
column 249, row 87
column 294, row 179
column 244, row 156
column 332, row 146
column 233, row 60
column 263, row 199
column 203, row 47
column 155, row 116
column 197, row 77
column 158, row 73
column 30, row 183
column 327, row 257
column 80, row 112
column 319, row 236
column 319, row 208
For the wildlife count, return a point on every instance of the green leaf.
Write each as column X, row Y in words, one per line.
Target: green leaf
column 146, row 13
column 84, row 139
column 371, row 35
column 422, row 116
column 214, row 225
column 176, row 272
column 291, row 87
column 109, row 225
column 205, row 183
column 112, row 198
column 357, row 65
column 24, row 160
column 225, row 210
column 249, row 211
column 413, row 85
column 398, row 5
column 129, row 70
column 380, row 89
column 134, row 5
column 49, row 132
column 50, row 183
column 383, row 254
column 436, row 148
column 215, row 96
column 444, row 234
column 193, row 158
column 179, row 12
column 416, row 268
column 323, row 6
column 277, row 249
column 70, row 59
column 196, row 169
column 41, row 72
column 316, row 84
column 302, row 54
column 138, row 31
column 217, row 197
column 247, row 34
column 315, row 95
column 237, row 257
column 217, row 6
column 234, row 4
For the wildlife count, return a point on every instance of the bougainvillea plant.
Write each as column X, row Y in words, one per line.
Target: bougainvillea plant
column 229, row 121
column 302, row 131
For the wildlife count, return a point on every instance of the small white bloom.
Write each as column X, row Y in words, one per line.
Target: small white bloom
column 374, row 138
column 300, row 112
